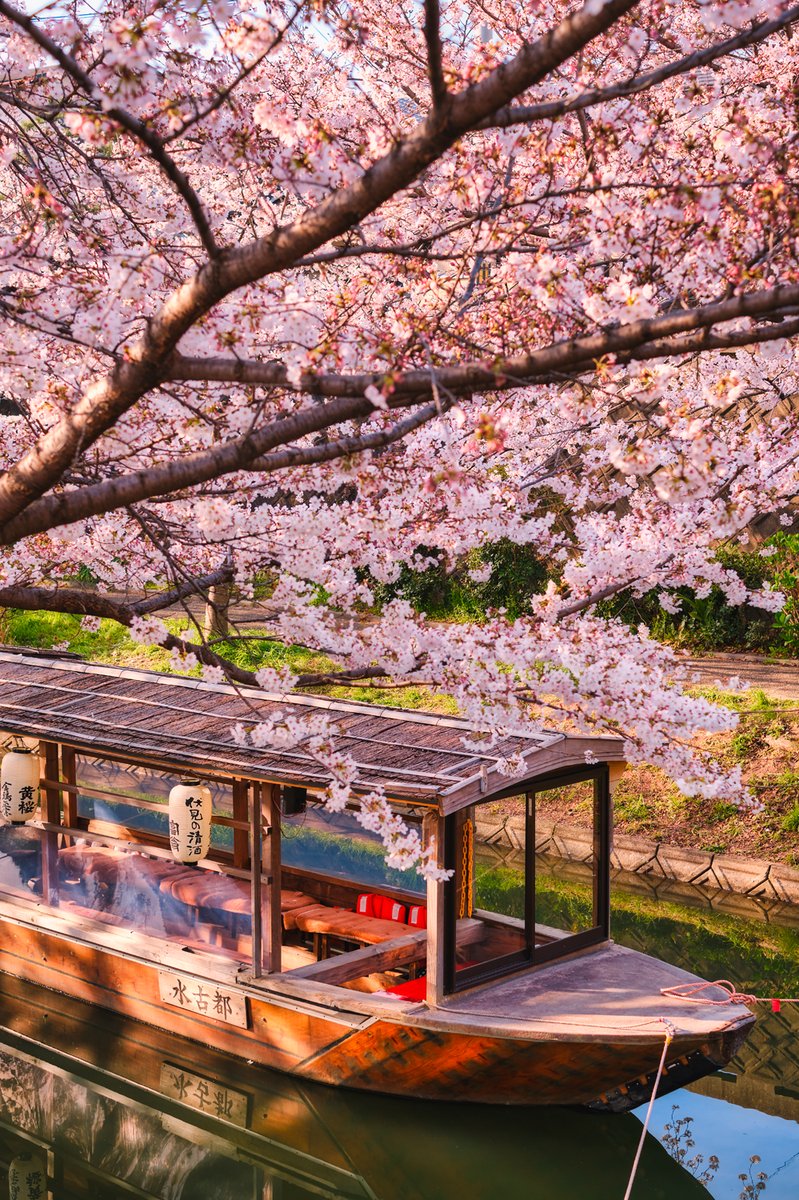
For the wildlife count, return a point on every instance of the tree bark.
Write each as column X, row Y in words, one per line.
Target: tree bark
column 217, row 609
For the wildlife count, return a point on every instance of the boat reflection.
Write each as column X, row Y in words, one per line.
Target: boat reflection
column 112, row 1108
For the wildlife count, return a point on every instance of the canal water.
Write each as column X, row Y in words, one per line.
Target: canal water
column 91, row 1106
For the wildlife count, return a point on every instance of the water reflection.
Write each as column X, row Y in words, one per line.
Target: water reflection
column 749, row 1111
column 113, row 1108
column 119, row 1109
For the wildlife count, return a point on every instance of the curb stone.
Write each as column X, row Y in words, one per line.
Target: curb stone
column 753, row 877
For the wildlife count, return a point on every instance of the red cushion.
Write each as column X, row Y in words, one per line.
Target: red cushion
column 417, row 916
column 389, row 910
column 414, row 989
column 366, row 904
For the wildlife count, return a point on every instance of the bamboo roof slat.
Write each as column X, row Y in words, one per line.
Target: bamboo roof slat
column 187, row 725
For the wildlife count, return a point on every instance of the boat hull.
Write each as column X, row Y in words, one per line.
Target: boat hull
column 373, row 1047
column 120, row 1105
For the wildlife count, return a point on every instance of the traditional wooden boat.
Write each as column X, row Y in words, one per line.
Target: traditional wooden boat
column 286, row 941
column 104, row 1107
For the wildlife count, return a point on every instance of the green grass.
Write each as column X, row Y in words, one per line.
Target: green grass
column 113, row 645
column 722, row 811
column 44, row 630
column 751, row 700
column 762, row 957
column 790, row 821
column 634, row 811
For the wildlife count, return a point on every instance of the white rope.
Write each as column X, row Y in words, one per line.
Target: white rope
column 666, row 1044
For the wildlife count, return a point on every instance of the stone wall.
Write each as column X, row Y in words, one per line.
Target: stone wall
column 753, row 877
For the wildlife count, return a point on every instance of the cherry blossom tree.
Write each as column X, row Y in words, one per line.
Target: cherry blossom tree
column 319, row 290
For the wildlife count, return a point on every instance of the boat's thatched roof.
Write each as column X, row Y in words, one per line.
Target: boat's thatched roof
column 187, row 724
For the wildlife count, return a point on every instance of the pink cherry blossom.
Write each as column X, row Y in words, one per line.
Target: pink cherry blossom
column 321, row 297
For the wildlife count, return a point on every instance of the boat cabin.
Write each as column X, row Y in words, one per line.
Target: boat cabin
column 133, row 809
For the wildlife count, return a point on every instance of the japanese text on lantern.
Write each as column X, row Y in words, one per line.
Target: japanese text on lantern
column 206, row 999
column 194, row 832
column 26, row 805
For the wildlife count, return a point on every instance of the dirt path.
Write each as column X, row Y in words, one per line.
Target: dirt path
column 776, row 677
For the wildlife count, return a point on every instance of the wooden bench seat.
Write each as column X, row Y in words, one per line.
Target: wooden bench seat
column 343, row 923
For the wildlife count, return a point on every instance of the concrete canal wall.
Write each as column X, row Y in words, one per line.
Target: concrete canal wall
column 637, row 856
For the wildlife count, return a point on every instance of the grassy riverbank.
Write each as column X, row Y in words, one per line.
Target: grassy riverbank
column 765, row 746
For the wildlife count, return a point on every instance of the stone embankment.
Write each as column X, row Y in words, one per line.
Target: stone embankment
column 636, row 856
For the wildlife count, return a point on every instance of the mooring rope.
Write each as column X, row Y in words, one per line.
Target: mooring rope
column 693, row 992
column 670, row 1031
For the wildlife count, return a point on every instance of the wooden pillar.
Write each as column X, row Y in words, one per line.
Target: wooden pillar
column 259, row 965
column 267, row 924
column 272, row 820
column 51, row 812
column 241, row 840
column 69, row 774
column 433, row 834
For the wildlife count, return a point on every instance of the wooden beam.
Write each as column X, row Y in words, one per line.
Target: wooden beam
column 270, row 808
column 394, row 953
column 433, row 835
column 259, row 965
column 241, row 840
column 51, row 815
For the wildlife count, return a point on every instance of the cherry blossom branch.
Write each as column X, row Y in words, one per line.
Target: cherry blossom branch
column 89, row 603
column 236, row 455
column 105, row 400
column 642, row 338
column 224, row 94
column 348, row 206
column 526, row 114
column 125, row 119
column 86, row 603
column 432, row 36
column 578, row 353
column 345, row 447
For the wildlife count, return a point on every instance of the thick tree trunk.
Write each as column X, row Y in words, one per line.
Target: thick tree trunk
column 217, row 623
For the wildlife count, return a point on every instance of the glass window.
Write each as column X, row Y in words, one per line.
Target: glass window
column 502, row 916
column 124, row 787
column 568, row 880
column 335, row 844
column 21, row 859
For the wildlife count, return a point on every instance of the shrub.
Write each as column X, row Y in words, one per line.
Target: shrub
column 449, row 592
column 791, row 820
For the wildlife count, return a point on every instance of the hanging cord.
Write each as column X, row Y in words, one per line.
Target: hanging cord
column 670, row 1031
column 466, row 906
column 693, row 991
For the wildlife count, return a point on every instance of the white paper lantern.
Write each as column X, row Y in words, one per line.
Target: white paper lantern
column 19, row 786
column 27, row 1178
column 190, row 820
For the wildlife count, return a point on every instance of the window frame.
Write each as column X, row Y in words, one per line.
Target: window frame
column 531, row 954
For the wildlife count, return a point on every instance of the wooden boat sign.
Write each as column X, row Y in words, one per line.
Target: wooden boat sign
column 205, row 1095
column 204, row 998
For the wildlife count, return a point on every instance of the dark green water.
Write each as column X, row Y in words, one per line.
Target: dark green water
column 105, row 1112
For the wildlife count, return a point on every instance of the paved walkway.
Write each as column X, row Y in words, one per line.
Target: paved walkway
column 776, row 677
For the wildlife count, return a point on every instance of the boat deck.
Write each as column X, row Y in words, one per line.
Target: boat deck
column 608, row 990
